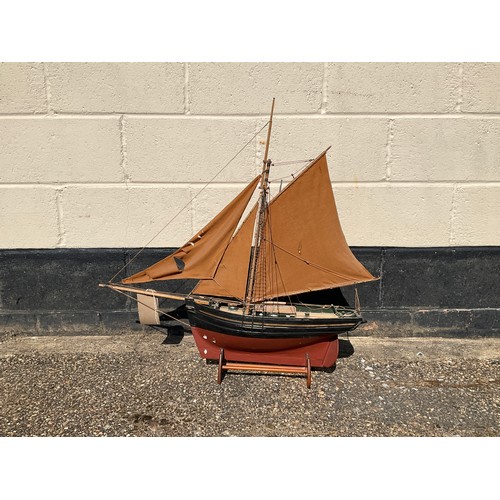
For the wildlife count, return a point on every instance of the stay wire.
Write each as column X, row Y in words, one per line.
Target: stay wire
column 292, row 175
column 277, row 267
column 188, row 203
column 317, row 266
column 291, row 162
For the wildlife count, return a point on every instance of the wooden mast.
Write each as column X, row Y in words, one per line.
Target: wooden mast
column 266, row 165
column 261, row 217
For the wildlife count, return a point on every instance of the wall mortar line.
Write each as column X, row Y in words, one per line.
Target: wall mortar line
column 453, row 210
column 122, row 124
column 61, row 232
column 388, row 150
column 239, row 184
column 181, row 116
column 123, row 150
column 187, row 107
column 324, row 101
column 48, row 93
column 460, row 99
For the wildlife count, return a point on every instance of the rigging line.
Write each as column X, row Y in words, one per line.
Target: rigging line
column 317, row 266
column 218, row 265
column 231, row 297
column 189, row 202
column 256, row 245
column 292, row 175
column 291, row 162
column 260, row 281
column 152, row 308
column 276, row 260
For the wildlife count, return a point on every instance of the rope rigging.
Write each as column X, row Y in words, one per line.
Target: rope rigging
column 188, row 203
column 291, row 162
column 292, row 175
column 312, row 264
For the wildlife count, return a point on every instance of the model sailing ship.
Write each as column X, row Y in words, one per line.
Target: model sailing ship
column 241, row 312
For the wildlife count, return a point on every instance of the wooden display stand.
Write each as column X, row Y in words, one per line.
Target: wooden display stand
column 251, row 367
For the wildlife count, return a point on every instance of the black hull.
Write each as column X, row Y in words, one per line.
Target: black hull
column 268, row 339
column 266, row 326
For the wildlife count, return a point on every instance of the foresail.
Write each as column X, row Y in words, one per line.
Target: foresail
column 304, row 247
column 200, row 256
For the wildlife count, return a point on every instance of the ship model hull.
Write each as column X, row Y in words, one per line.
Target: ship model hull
column 250, row 260
column 286, row 337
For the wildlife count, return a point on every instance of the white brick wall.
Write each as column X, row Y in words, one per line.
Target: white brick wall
column 60, row 150
column 22, row 88
column 236, row 88
column 116, row 87
column 104, row 154
column 188, row 149
column 110, row 215
column 28, row 217
column 393, row 87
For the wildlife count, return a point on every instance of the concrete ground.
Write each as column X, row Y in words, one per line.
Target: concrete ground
column 154, row 384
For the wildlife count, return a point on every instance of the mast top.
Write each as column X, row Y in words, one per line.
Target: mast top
column 266, row 163
column 269, row 132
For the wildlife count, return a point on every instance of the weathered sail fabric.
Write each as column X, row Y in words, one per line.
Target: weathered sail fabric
column 200, row 256
column 305, row 248
column 231, row 276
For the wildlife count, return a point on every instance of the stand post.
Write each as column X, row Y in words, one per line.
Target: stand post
column 252, row 367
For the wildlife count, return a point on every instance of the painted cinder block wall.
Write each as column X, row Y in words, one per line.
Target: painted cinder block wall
column 101, row 155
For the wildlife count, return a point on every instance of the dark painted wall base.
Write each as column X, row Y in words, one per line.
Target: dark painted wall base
column 453, row 292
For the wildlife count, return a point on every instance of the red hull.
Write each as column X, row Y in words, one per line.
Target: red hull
column 322, row 350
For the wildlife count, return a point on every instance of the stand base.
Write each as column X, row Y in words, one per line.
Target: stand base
column 252, row 367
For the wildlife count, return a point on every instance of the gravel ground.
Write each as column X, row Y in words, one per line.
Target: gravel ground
column 151, row 384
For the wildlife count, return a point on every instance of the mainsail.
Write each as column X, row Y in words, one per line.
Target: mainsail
column 201, row 255
column 304, row 247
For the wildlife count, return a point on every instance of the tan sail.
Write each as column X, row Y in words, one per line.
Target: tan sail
column 304, row 247
column 201, row 255
column 231, row 276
